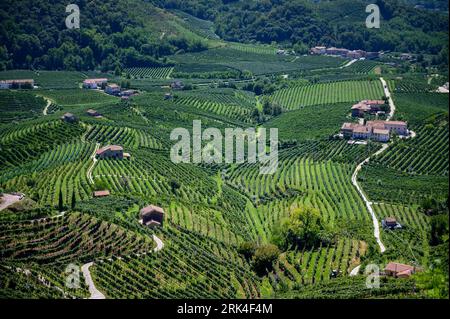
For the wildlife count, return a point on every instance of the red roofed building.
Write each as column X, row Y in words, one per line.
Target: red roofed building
column 367, row 106
column 102, row 193
column 112, row 89
column 152, row 215
column 399, row 127
column 110, row 151
column 398, row 270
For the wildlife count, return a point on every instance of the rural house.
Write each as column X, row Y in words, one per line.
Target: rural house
column 367, row 106
column 376, row 130
column 318, row 50
column 390, row 223
column 112, row 89
column 152, row 215
column 398, row 270
column 94, row 83
column 129, row 93
column 399, row 127
column 69, row 118
column 17, row 84
column 102, row 193
column 92, row 112
column 337, row 51
column 110, row 151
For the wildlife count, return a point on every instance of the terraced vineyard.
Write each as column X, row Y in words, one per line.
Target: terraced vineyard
column 150, row 73
column 365, row 66
column 328, row 93
column 427, row 152
column 20, row 106
column 314, row 266
column 220, row 220
column 411, row 241
column 253, row 49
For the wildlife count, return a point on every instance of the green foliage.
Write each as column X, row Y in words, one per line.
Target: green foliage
column 433, row 283
column 247, row 249
column 264, row 258
column 303, row 228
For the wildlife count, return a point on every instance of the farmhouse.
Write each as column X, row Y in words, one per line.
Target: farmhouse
column 110, row 151
column 380, row 135
column 398, row 270
column 152, row 215
column 318, row 50
column 69, row 118
column 168, row 96
column 367, row 106
column 92, row 112
column 345, row 53
column 390, row 223
column 94, row 83
column 399, row 127
column 337, row 51
column 102, row 193
column 128, row 93
column 363, row 132
column 17, row 84
column 112, row 89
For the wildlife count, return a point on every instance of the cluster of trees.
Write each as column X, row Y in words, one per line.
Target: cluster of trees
column 303, row 228
column 261, row 257
column 261, row 87
column 269, row 109
column 33, row 34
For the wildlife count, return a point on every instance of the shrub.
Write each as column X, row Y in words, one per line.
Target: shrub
column 264, row 258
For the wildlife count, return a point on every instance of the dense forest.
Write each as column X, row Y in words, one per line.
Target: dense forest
column 339, row 23
column 119, row 34
column 112, row 34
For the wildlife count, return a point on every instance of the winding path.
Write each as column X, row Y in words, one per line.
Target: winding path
column 94, row 160
column 49, row 102
column 376, row 225
column 95, row 293
column 348, row 64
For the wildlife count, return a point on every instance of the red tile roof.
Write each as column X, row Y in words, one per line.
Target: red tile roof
column 88, row 81
column 101, row 193
column 398, row 268
column 380, row 131
column 151, row 208
column 109, row 148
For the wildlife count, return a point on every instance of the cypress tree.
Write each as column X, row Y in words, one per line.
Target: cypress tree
column 60, row 201
column 73, row 204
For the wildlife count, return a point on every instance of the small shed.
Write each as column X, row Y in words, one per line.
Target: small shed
column 390, row 223
column 152, row 215
column 102, row 193
column 69, row 118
